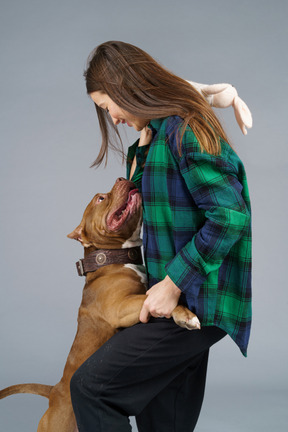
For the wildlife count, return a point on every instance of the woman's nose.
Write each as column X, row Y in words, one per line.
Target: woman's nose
column 115, row 120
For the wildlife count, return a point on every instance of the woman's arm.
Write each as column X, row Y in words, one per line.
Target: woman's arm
column 215, row 188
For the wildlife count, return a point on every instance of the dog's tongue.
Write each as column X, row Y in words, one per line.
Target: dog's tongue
column 119, row 216
column 131, row 193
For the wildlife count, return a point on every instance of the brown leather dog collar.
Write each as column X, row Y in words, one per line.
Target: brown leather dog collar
column 103, row 257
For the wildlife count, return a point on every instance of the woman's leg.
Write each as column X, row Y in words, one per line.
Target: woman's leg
column 177, row 407
column 129, row 370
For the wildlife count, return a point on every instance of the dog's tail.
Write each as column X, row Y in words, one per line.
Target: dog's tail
column 38, row 389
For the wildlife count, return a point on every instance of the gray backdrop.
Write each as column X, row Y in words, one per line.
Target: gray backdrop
column 49, row 137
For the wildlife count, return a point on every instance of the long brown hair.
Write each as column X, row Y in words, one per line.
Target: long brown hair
column 144, row 88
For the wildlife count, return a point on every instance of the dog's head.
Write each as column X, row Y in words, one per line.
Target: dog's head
column 112, row 220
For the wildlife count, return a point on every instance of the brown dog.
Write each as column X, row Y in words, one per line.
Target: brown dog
column 113, row 294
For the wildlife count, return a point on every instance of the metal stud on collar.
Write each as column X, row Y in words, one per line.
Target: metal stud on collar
column 133, row 254
column 100, row 258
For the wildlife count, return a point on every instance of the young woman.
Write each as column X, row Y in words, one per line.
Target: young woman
column 197, row 247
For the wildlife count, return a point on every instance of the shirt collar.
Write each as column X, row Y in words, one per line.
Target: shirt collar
column 155, row 123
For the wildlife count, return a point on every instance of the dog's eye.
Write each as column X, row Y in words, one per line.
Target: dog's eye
column 100, row 199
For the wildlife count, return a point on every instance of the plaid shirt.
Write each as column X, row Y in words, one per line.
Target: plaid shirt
column 197, row 225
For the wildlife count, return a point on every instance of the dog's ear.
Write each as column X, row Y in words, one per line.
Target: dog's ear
column 76, row 234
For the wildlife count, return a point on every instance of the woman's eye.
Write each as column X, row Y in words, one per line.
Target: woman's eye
column 107, row 110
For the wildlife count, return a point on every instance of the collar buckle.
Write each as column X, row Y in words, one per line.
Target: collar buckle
column 80, row 267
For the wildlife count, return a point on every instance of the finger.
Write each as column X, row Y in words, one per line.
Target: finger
column 144, row 314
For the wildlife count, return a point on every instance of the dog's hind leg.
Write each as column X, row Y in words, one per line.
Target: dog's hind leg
column 58, row 419
column 60, row 416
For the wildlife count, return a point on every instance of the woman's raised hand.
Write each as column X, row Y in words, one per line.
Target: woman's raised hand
column 145, row 136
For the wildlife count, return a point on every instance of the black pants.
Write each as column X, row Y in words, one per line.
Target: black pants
column 154, row 371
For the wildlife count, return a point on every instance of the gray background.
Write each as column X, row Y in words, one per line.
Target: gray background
column 49, row 137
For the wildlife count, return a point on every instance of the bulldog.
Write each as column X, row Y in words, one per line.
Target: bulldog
column 113, row 294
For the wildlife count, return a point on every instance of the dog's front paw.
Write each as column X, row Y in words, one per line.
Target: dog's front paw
column 185, row 318
column 193, row 323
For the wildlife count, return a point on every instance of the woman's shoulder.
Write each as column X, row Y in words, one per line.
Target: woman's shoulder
column 172, row 123
column 191, row 148
column 165, row 123
column 171, row 129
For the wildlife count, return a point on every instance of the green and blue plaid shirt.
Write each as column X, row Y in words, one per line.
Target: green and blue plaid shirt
column 197, row 225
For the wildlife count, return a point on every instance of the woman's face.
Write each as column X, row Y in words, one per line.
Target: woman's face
column 118, row 115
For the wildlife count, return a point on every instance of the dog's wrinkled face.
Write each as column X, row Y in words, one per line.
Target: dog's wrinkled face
column 112, row 218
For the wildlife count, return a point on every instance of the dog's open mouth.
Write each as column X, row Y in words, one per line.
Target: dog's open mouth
column 121, row 215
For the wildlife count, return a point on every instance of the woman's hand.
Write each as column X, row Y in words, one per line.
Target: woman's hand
column 161, row 300
column 145, row 136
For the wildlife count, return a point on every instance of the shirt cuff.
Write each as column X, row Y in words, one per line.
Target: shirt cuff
column 185, row 274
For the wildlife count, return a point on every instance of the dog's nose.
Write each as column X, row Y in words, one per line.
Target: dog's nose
column 120, row 179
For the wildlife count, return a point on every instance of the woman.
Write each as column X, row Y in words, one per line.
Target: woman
column 197, row 247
